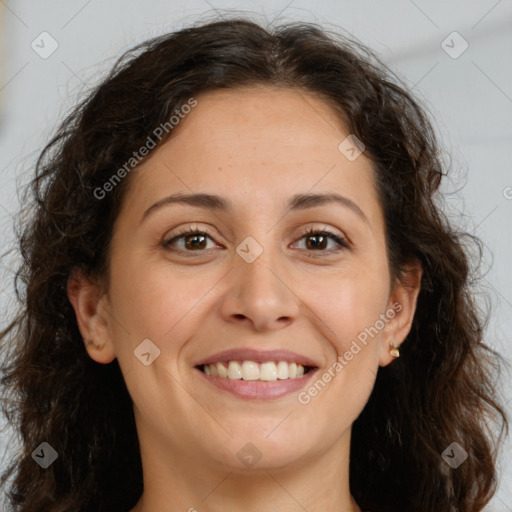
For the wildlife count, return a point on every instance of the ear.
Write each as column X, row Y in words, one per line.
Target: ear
column 402, row 301
column 92, row 314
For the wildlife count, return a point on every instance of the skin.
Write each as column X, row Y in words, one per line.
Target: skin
column 256, row 147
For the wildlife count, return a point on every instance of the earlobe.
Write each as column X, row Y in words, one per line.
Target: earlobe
column 88, row 301
column 403, row 301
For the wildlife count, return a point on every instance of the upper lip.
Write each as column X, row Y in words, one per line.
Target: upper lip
column 258, row 356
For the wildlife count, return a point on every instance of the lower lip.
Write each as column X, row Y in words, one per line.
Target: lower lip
column 257, row 389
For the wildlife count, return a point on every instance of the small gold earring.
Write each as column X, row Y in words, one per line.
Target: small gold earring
column 395, row 351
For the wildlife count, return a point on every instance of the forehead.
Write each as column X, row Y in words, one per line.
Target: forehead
column 259, row 145
column 257, row 114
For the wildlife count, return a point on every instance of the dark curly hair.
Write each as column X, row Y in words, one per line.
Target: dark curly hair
column 440, row 390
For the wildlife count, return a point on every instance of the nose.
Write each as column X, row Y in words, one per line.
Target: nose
column 260, row 296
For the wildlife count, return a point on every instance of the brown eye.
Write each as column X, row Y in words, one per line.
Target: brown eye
column 188, row 240
column 319, row 240
column 195, row 241
column 316, row 242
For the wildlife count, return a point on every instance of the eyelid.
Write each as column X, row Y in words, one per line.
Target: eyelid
column 186, row 230
column 342, row 241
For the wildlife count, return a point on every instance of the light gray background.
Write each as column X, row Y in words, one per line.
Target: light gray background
column 470, row 98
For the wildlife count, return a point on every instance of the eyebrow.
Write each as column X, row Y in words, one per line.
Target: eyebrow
column 213, row 202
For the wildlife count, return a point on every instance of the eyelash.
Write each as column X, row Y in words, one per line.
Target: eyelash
column 193, row 230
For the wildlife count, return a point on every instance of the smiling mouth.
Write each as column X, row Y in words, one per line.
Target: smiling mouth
column 269, row 371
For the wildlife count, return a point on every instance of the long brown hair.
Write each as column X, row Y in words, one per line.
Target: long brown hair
column 438, row 392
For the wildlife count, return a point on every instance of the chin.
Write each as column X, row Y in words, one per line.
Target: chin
column 252, row 453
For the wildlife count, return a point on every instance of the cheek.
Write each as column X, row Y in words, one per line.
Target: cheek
column 350, row 313
column 153, row 302
column 153, row 296
column 349, row 306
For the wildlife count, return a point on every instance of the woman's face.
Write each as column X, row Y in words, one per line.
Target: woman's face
column 252, row 282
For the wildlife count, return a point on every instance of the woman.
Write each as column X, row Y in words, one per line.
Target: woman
column 233, row 239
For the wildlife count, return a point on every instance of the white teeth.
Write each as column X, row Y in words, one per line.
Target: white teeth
column 282, row 370
column 222, row 370
column 250, row 370
column 234, row 370
column 268, row 371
